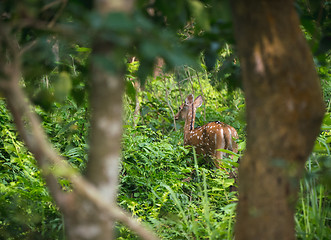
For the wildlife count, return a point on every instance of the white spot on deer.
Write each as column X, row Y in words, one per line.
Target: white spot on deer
column 230, row 143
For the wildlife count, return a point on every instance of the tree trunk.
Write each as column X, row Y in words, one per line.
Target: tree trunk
column 284, row 113
column 105, row 136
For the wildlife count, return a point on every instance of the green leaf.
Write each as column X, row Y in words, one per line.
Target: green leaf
column 131, row 91
column 200, row 15
column 62, row 86
column 229, row 152
column 83, row 49
column 228, row 182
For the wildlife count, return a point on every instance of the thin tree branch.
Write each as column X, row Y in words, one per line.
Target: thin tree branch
column 169, row 105
column 203, row 97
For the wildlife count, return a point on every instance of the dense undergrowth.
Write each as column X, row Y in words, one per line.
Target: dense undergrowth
column 162, row 182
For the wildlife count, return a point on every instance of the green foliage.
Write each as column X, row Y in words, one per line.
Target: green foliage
column 324, row 74
column 161, row 182
column 26, row 209
column 315, row 19
column 314, row 211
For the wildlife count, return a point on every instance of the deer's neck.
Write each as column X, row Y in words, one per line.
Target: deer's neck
column 189, row 122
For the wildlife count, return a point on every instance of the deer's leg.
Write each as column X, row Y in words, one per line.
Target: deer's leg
column 219, row 143
column 230, row 136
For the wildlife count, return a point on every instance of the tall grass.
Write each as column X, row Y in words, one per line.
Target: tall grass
column 313, row 217
column 201, row 218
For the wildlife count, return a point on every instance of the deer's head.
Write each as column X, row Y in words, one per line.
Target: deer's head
column 188, row 107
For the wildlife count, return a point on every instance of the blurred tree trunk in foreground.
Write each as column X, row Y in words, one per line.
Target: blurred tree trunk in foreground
column 284, row 113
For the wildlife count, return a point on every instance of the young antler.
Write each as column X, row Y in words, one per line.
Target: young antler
column 209, row 137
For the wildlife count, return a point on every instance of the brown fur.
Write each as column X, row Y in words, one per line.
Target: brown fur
column 209, row 137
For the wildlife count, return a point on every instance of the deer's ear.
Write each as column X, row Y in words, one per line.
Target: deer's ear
column 189, row 99
column 198, row 101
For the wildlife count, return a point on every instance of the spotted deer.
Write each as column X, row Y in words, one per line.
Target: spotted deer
column 209, row 137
